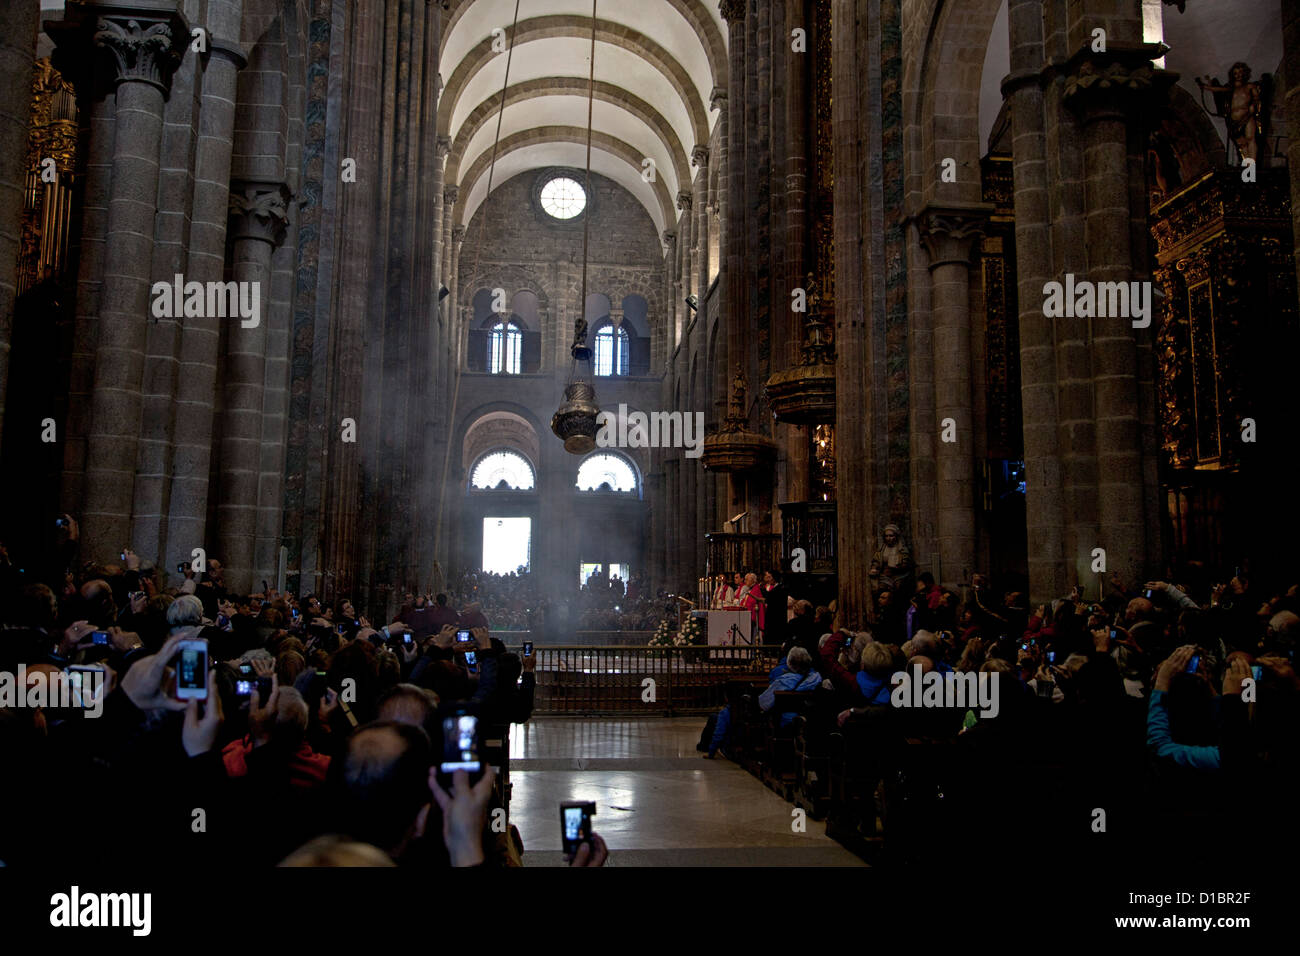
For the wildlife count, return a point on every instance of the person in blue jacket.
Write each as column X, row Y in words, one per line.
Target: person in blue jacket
column 794, row 673
column 1160, row 740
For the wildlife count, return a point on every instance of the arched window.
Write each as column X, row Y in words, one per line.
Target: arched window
column 505, row 347
column 503, row 470
column 601, row 470
column 613, row 350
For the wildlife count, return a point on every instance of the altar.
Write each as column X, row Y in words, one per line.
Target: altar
column 728, row 627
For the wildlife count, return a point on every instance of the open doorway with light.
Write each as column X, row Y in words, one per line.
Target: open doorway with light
column 507, row 544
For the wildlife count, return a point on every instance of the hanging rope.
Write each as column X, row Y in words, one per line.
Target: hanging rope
column 478, row 252
column 586, row 179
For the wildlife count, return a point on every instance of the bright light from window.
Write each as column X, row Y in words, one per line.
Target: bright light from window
column 563, row 198
column 606, row 469
column 611, row 351
column 506, row 544
column 504, row 347
column 500, row 466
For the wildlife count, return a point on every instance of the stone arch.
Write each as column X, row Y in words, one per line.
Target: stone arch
column 551, row 86
column 617, row 148
column 607, row 32
column 943, row 55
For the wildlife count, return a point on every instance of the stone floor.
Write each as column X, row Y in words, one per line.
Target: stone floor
column 658, row 802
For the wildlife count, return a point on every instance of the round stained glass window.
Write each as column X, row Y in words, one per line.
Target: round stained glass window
column 563, row 198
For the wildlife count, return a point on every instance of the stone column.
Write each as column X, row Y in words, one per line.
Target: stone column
column 794, row 438
column 1048, row 577
column 450, row 193
column 1291, row 68
column 1106, row 114
column 457, row 331
column 852, row 414
column 734, row 312
column 144, row 51
column 18, row 24
column 258, row 221
column 950, row 235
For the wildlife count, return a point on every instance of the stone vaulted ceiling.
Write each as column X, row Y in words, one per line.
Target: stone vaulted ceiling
column 657, row 65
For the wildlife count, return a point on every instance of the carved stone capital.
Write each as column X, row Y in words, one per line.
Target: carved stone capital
column 718, row 99
column 450, row 194
column 684, row 200
column 700, row 156
column 669, row 237
column 1113, row 83
column 949, row 233
column 259, row 211
column 733, row 11
column 143, row 49
column 443, row 147
column 457, row 233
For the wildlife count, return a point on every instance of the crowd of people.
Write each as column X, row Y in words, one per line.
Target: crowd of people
column 518, row 601
column 317, row 741
column 1174, row 707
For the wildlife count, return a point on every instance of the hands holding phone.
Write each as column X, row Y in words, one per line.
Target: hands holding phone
column 464, row 814
column 145, row 684
column 202, row 725
column 1175, row 663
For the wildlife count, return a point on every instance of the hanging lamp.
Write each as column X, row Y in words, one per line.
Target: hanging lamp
column 574, row 422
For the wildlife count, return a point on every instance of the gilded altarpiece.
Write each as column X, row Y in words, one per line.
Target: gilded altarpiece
column 1225, row 345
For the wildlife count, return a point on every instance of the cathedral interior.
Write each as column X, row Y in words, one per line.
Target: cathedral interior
column 965, row 326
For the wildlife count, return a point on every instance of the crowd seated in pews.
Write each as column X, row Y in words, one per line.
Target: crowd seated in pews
column 1159, row 716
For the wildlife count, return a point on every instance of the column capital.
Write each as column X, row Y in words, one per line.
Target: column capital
column 1105, row 84
column 146, row 45
column 259, row 210
column 733, row 11
column 669, row 237
column 700, row 156
column 718, row 99
column 950, row 231
column 443, row 147
column 458, row 233
column 99, row 46
column 684, row 200
column 450, row 194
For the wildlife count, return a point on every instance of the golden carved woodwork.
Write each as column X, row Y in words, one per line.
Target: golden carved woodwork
column 47, row 206
column 1223, row 253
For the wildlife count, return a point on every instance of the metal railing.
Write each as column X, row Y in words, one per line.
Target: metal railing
column 573, row 679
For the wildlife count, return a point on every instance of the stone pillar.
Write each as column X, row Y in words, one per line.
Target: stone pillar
column 258, row 221
column 950, row 234
column 145, row 51
column 1105, row 114
column 450, row 193
column 852, row 415
column 18, row 24
column 1048, row 577
column 457, row 330
column 734, row 313
column 794, row 438
column 1291, row 68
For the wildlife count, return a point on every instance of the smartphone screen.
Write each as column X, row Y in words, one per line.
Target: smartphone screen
column 460, row 744
column 192, row 670
column 99, row 637
column 1150, row 593
column 471, row 661
column 1113, row 633
column 1194, row 663
column 1051, row 657
column 464, row 636
column 575, row 824
column 406, row 637
column 528, row 648
column 243, row 688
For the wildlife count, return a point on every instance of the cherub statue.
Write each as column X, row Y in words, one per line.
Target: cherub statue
column 738, row 387
column 1241, row 104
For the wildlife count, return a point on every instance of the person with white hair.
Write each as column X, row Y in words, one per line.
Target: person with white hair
column 185, row 611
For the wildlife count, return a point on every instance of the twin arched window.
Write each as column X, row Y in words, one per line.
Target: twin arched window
column 505, row 348
column 613, row 350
